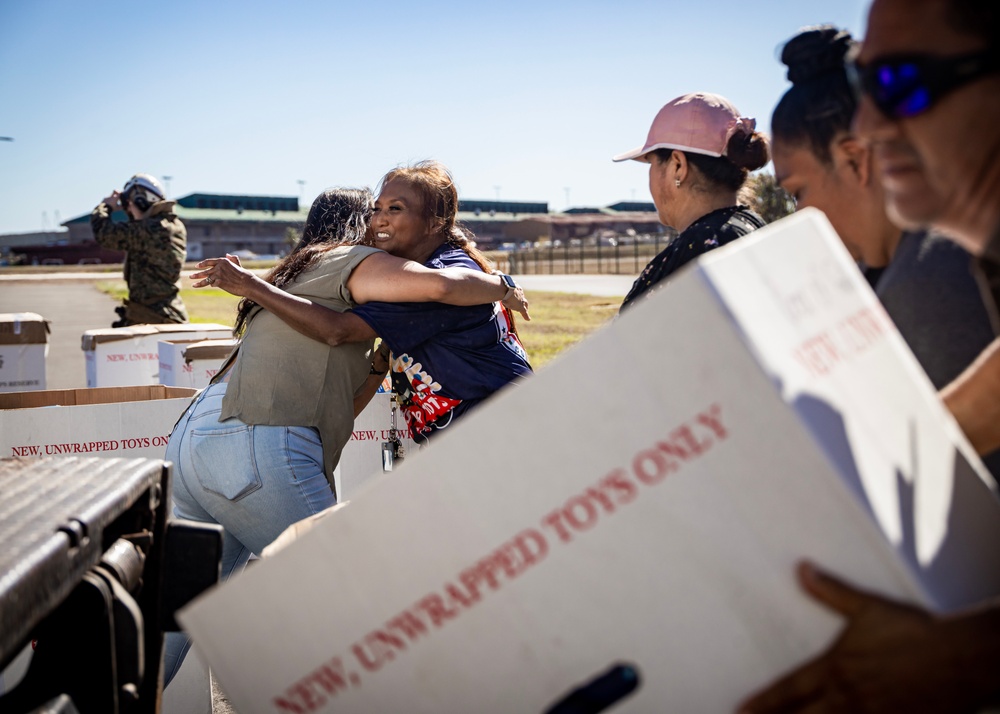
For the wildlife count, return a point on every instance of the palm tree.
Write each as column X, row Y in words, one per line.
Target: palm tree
column 767, row 198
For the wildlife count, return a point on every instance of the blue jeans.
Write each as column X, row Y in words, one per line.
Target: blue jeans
column 253, row 480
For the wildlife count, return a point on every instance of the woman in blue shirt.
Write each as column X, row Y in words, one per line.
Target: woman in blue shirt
column 446, row 359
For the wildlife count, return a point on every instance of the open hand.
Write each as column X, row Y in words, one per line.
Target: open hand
column 890, row 657
column 226, row 274
column 114, row 201
column 518, row 303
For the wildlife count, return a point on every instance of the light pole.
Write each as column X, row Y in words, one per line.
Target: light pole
column 302, row 188
column 166, row 181
column 497, row 189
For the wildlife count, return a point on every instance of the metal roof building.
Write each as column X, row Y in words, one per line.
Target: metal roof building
column 268, row 225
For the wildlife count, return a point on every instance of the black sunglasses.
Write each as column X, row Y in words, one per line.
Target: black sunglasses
column 904, row 86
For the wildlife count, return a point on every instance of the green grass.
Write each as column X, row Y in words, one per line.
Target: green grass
column 203, row 304
column 558, row 320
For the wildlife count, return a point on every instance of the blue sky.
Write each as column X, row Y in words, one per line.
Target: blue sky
column 525, row 100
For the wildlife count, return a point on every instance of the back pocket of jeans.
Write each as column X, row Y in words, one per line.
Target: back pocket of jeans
column 223, row 461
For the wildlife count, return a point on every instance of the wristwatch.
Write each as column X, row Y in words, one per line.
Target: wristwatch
column 509, row 282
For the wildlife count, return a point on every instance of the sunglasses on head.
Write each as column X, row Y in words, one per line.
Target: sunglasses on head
column 904, row 86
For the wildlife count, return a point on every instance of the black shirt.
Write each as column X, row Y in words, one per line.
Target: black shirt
column 710, row 231
column 988, row 273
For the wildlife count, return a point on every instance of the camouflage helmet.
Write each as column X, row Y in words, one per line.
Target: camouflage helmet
column 143, row 190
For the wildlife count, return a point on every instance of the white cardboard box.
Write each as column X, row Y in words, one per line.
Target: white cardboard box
column 123, row 356
column 110, row 421
column 24, row 345
column 192, row 363
column 593, row 516
column 361, row 459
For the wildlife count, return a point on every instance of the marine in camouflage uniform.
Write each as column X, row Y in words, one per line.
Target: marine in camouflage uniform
column 156, row 246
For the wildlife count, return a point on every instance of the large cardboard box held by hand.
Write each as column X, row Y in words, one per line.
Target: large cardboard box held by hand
column 124, row 356
column 110, row 421
column 24, row 346
column 637, row 506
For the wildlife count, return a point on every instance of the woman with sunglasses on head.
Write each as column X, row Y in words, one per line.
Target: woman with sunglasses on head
column 256, row 450
column 921, row 277
column 700, row 152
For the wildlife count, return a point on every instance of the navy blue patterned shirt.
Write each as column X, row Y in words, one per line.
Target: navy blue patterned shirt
column 445, row 359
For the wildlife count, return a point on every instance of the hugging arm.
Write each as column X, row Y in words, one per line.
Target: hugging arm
column 305, row 316
column 385, row 278
column 380, row 276
column 380, row 367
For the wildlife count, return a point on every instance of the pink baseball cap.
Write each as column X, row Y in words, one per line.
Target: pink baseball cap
column 701, row 123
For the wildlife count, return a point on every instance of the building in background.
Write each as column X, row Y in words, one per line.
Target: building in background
column 268, row 226
column 222, row 223
column 609, row 224
column 11, row 242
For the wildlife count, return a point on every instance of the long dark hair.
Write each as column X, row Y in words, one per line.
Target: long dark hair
column 820, row 104
column 338, row 216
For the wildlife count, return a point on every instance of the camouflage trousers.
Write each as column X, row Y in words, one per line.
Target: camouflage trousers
column 134, row 313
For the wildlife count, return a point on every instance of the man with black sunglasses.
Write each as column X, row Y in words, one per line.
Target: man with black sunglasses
column 929, row 80
column 929, row 75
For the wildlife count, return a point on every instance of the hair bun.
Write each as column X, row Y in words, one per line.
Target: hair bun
column 749, row 151
column 816, row 51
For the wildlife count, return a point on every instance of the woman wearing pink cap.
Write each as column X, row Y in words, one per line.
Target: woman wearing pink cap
column 700, row 152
